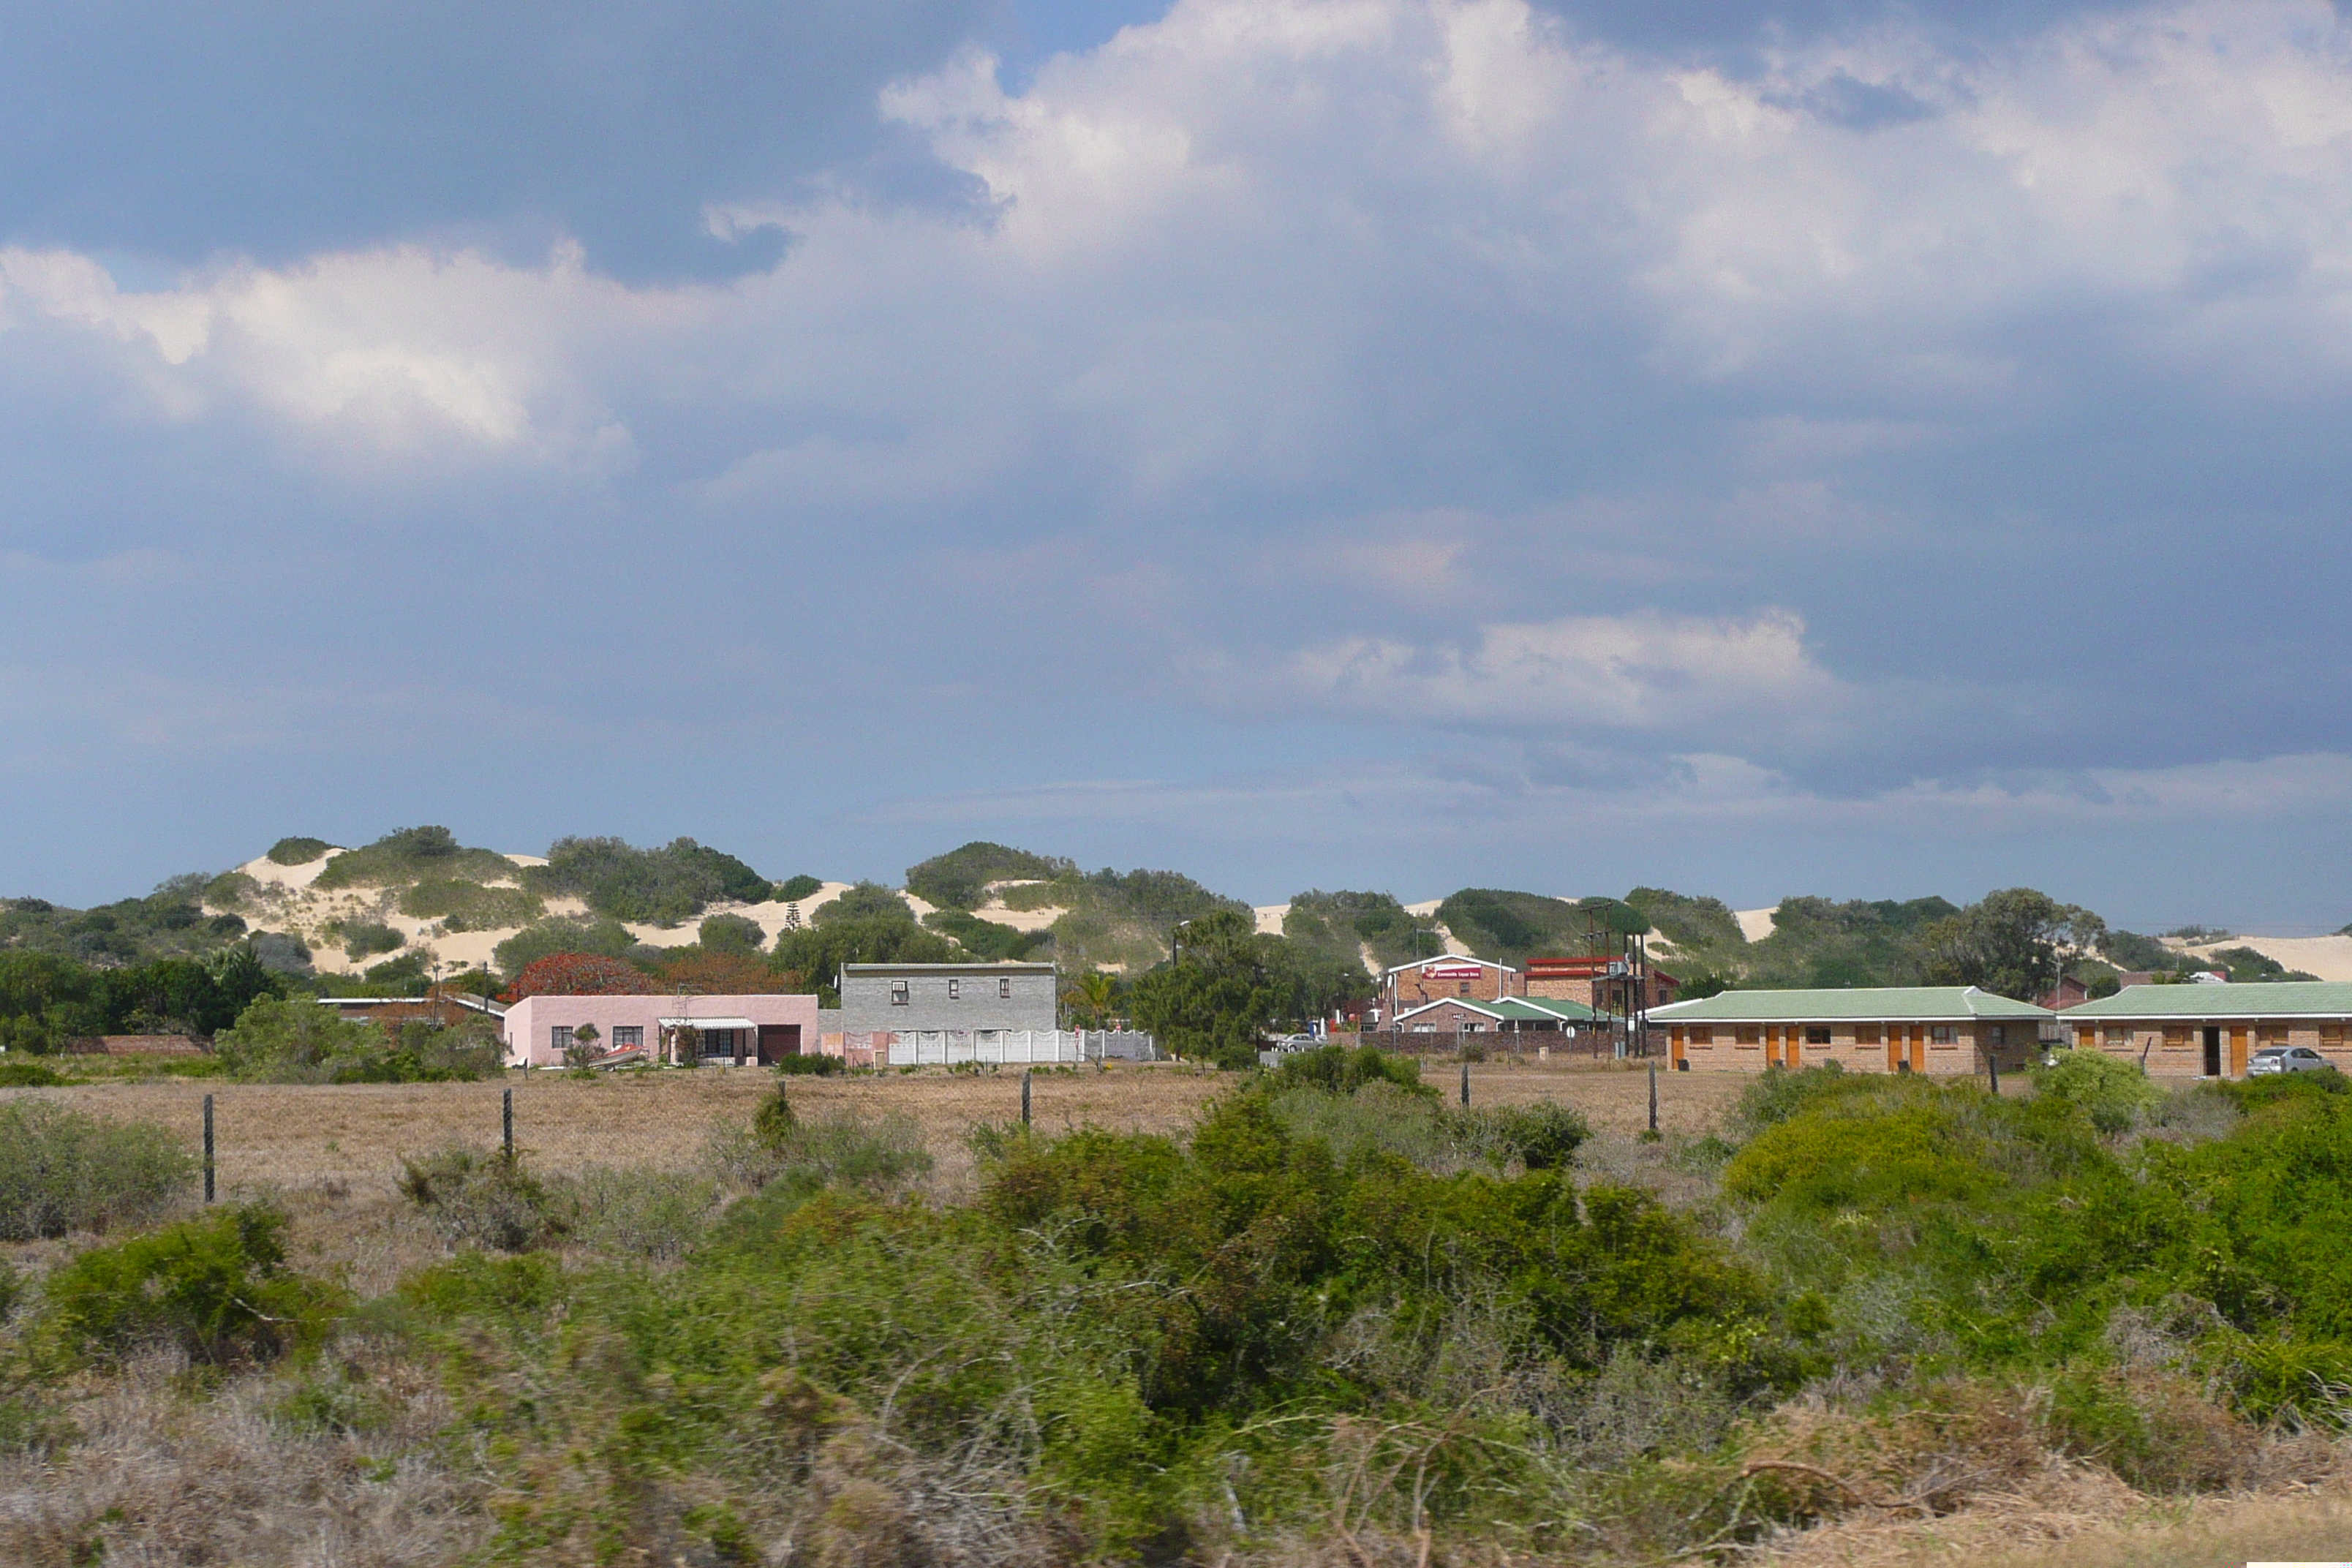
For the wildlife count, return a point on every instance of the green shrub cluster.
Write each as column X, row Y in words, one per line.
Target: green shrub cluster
column 62, row 1170
column 986, row 939
column 411, row 854
column 462, row 905
column 282, row 1039
column 792, row 890
column 217, row 1289
column 959, row 879
column 298, row 851
column 659, row 887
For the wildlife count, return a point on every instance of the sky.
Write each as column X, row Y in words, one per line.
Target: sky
column 1752, row 448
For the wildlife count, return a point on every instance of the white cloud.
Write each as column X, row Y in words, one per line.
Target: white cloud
column 1640, row 672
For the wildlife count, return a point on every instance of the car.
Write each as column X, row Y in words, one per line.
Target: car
column 2288, row 1058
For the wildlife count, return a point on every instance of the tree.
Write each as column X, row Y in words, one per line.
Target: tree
column 1093, row 995
column 582, row 1048
column 1230, row 987
column 707, row 973
column 579, row 974
column 2010, row 943
column 810, row 959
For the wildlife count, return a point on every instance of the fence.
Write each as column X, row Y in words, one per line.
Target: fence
column 988, row 1048
column 1583, row 1044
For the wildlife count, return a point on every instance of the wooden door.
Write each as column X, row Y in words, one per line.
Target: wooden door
column 1772, row 1046
column 1893, row 1047
column 2237, row 1053
column 1796, row 1051
column 1675, row 1046
column 1918, row 1048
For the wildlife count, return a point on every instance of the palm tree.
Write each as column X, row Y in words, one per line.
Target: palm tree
column 1097, row 991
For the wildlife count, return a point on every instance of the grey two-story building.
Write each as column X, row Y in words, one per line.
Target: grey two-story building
column 924, row 997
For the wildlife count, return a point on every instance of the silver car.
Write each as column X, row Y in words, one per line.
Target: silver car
column 2288, row 1058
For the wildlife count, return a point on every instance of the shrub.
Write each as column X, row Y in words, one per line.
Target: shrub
column 731, row 934
column 27, row 1075
column 1542, row 1137
column 298, row 851
column 845, row 1149
column 1336, row 1070
column 643, row 1213
column 1777, row 1095
column 475, row 1199
column 2155, row 1430
column 2112, row 1093
column 456, row 1053
column 797, row 888
column 217, row 1289
column 63, row 1171
column 230, row 891
column 364, row 939
column 461, row 905
column 661, row 887
column 811, row 1064
column 410, row 855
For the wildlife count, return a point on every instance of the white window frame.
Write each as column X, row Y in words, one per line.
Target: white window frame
column 1004, row 988
column 955, row 990
column 898, row 997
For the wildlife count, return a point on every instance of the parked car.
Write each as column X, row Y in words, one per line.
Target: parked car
column 2288, row 1058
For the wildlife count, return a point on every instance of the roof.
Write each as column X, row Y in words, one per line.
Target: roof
column 1878, row 1004
column 744, row 1024
column 1450, row 958
column 862, row 969
column 1511, row 1009
column 2255, row 999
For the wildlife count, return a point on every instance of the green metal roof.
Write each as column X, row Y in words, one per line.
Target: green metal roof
column 2257, row 999
column 1874, row 1003
column 1559, row 1008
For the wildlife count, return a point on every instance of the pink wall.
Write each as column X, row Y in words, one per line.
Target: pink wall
column 529, row 1021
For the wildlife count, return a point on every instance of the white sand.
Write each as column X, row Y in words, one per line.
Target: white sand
column 2328, row 957
column 1754, row 924
column 1270, row 918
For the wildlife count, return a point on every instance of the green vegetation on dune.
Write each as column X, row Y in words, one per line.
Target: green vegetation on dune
column 410, row 855
column 1119, row 918
column 168, row 922
column 653, row 886
column 1338, row 928
column 959, row 879
column 1512, row 926
column 987, row 939
column 461, row 905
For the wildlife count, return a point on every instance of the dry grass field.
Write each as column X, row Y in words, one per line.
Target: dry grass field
column 352, row 1137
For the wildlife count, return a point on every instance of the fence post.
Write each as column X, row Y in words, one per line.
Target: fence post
column 1992, row 1066
column 1653, row 1094
column 208, row 1148
column 1025, row 1096
column 506, row 1118
column 1465, row 1083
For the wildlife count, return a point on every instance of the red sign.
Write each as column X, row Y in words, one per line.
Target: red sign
column 1453, row 972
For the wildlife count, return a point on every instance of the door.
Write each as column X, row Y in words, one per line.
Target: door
column 2213, row 1053
column 1918, row 1048
column 2237, row 1053
column 1893, row 1048
column 1796, row 1052
column 778, row 1041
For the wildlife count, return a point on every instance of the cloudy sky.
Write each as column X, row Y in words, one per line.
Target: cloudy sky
column 1756, row 447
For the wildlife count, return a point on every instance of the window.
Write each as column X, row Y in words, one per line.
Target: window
column 1665, row 995
column 1816, row 1035
column 1749, row 1035
column 1998, row 1036
column 1004, row 988
column 1702, row 1034
column 897, row 993
column 1943, row 1034
column 2115, row 1034
column 719, row 1042
column 628, row 1037
column 559, row 1037
column 2273, row 1034
column 1865, row 1034
column 955, row 990
column 2176, row 1037
column 1464, row 988
column 2331, row 1033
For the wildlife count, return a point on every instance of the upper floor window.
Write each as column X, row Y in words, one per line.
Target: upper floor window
column 897, row 993
column 955, row 990
column 1466, row 988
column 1004, row 988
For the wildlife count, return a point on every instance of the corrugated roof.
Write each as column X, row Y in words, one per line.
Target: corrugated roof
column 1875, row 1004
column 1558, row 1007
column 2257, row 999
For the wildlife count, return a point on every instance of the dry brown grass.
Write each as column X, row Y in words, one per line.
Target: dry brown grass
column 352, row 1137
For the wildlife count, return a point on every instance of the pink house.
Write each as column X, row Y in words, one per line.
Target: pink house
column 731, row 1028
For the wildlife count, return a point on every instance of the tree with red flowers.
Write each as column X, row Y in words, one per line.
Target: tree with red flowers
column 579, row 974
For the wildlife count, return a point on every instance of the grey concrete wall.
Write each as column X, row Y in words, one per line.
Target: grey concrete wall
column 975, row 1004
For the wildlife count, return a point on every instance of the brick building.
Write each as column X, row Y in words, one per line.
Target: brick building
column 1601, row 982
column 1453, row 976
column 1918, row 1028
column 2210, row 1031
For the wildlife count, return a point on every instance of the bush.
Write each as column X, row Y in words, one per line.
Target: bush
column 298, row 851
column 27, row 1075
column 1542, row 1137
column 569, row 972
column 283, row 1039
column 843, row 1150
column 475, row 1199
column 64, row 1171
column 2112, row 1093
column 2155, row 1430
column 1336, row 1070
column 364, row 939
column 1778, row 1095
column 811, row 1064
column 461, row 905
column 217, row 1289
column 731, row 933
column 644, row 1213
column 797, row 888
